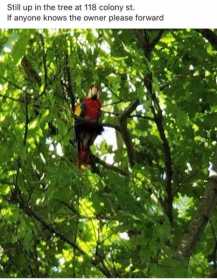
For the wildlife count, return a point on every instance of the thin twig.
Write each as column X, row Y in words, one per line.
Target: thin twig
column 69, row 87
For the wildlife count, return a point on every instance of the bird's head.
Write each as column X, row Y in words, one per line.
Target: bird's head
column 94, row 92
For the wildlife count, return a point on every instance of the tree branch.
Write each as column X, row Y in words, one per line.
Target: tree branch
column 148, row 47
column 44, row 61
column 27, row 209
column 123, row 118
column 110, row 166
column 33, row 78
column 206, row 207
column 126, row 113
column 67, row 83
column 158, row 118
column 157, row 39
column 31, row 74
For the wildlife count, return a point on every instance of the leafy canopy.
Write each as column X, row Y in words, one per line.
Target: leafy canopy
column 58, row 221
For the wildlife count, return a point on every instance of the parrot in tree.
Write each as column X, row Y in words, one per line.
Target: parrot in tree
column 87, row 126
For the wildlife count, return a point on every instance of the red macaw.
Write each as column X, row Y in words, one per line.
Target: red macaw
column 87, row 125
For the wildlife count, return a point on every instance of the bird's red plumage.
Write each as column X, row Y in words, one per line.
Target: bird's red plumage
column 92, row 108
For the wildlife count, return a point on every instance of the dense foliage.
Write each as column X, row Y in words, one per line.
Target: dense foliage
column 131, row 215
